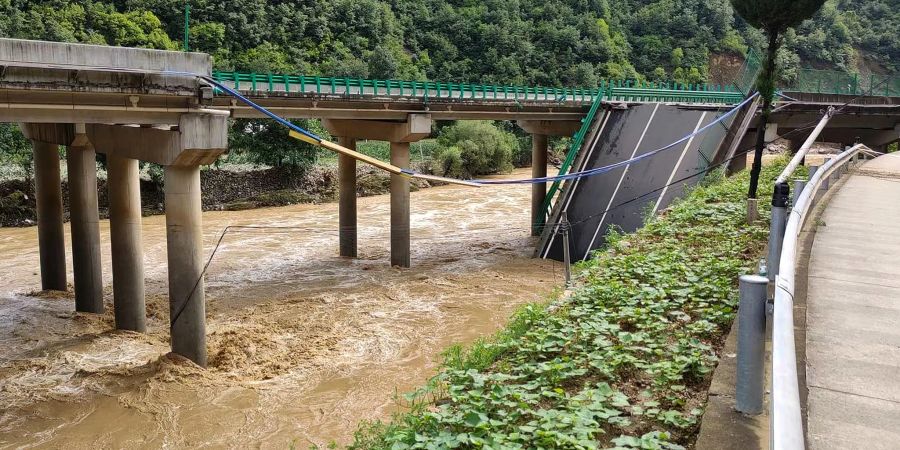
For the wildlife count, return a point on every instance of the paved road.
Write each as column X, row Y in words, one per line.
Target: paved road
column 853, row 329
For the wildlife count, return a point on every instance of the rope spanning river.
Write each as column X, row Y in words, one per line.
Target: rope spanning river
column 302, row 344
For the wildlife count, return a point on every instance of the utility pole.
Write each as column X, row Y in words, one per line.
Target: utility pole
column 187, row 26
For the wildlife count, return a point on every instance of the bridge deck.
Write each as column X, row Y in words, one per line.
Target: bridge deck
column 853, row 337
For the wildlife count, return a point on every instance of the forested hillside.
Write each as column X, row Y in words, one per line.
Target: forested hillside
column 545, row 42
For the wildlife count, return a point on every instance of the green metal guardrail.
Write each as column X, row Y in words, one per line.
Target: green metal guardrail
column 834, row 82
column 574, row 147
column 622, row 90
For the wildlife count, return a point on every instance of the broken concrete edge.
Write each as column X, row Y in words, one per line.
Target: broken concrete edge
column 86, row 57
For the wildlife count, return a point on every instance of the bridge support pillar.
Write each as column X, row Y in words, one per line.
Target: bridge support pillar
column 184, row 241
column 400, row 207
column 126, row 242
column 85, row 224
column 538, row 190
column 540, row 131
column 48, row 193
column 347, row 200
column 399, row 134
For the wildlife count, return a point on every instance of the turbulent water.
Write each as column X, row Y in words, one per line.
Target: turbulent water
column 303, row 344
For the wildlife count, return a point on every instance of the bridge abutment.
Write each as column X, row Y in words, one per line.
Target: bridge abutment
column 126, row 241
column 48, row 196
column 85, row 225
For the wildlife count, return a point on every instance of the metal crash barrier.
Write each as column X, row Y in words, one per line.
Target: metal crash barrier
column 785, row 417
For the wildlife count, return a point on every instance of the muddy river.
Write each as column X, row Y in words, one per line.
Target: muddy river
column 302, row 344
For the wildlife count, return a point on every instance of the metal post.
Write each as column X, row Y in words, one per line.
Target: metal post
column 751, row 344
column 187, row 26
column 567, row 261
column 799, row 185
column 812, row 172
column 776, row 227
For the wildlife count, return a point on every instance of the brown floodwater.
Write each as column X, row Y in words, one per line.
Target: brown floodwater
column 303, row 344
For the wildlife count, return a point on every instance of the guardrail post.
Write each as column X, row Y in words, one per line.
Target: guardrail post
column 799, row 185
column 751, row 344
column 776, row 227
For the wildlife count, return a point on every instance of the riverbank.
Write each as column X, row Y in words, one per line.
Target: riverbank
column 625, row 361
column 222, row 190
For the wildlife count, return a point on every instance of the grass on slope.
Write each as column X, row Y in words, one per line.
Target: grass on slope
column 624, row 363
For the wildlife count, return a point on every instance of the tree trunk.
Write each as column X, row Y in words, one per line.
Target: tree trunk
column 766, row 87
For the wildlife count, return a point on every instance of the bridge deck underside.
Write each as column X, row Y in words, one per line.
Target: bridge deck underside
column 622, row 197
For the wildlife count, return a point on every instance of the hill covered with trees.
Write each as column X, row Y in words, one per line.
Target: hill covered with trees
column 554, row 42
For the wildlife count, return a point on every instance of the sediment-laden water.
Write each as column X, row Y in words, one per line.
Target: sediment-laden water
column 303, row 344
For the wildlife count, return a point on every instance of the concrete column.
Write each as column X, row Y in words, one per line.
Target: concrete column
column 184, row 240
column 400, row 206
column 127, row 243
column 538, row 170
column 347, row 200
column 48, row 193
column 85, row 225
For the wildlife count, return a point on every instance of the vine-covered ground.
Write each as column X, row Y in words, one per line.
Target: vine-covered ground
column 624, row 362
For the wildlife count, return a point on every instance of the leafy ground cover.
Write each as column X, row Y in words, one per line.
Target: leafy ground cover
column 624, row 362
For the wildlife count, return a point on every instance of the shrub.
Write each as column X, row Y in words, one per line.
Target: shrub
column 474, row 148
column 448, row 162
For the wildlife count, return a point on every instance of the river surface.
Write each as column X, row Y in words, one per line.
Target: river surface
column 303, row 345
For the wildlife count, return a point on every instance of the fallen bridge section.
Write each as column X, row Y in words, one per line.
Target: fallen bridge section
column 622, row 197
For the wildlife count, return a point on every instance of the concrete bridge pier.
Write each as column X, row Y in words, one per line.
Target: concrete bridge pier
column 184, row 243
column 126, row 239
column 85, row 224
column 347, row 200
column 400, row 135
column 400, row 240
column 540, row 131
column 198, row 139
column 51, row 237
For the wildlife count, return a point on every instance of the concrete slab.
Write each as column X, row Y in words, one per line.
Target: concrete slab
column 849, row 422
column 853, row 308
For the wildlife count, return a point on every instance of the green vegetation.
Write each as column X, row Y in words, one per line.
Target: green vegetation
column 15, row 151
column 472, row 148
column 552, row 42
column 534, row 42
column 624, row 362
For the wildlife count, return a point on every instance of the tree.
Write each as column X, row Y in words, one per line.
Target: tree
column 15, row 149
column 774, row 17
column 472, row 148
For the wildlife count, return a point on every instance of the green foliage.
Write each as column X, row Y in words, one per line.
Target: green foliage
column 472, row 148
column 620, row 364
column 776, row 16
column 15, row 150
column 266, row 142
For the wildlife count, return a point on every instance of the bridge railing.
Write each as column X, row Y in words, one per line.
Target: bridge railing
column 574, row 147
column 834, row 82
column 613, row 90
